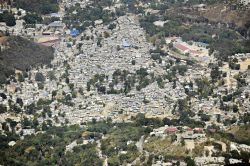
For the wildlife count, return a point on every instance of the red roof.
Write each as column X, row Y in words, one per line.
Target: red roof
column 171, row 129
column 189, row 129
column 198, row 129
column 194, row 52
column 180, row 47
column 201, row 129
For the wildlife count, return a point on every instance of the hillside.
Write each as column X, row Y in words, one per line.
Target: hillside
column 20, row 53
column 38, row 6
column 227, row 14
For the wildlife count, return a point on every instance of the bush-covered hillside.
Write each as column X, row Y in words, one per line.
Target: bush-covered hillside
column 39, row 6
column 20, row 54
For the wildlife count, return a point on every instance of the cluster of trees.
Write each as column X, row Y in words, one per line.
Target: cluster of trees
column 97, row 81
column 157, row 54
column 67, row 99
column 227, row 47
column 205, row 89
column 36, row 149
column 215, row 73
column 117, row 141
column 32, row 18
column 184, row 120
column 240, row 135
column 8, row 18
column 233, row 64
column 86, row 16
column 49, row 148
column 241, row 79
column 5, row 72
column 139, row 80
column 245, row 118
column 182, row 69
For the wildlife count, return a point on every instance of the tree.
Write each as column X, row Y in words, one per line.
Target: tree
column 51, row 75
column 106, row 34
column 81, row 90
column 67, row 80
column 160, row 82
column 3, row 96
column 40, row 86
column 35, row 122
column 109, row 120
column 173, row 138
column 140, row 119
column 13, row 125
column 54, row 93
column 235, row 108
column 10, row 20
column 171, row 45
column 20, row 77
column 68, row 97
column 102, row 89
column 207, row 153
column 5, row 127
column 112, row 26
column 26, row 122
column 235, row 154
column 30, row 109
column 93, row 120
column 215, row 73
column 19, row 101
column 39, row 77
column 15, row 108
column 88, row 86
column 245, row 156
column 190, row 161
column 133, row 62
column 205, row 117
column 49, row 113
column 182, row 142
column 3, row 109
column 44, row 126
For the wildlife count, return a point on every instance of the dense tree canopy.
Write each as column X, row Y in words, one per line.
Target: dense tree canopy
column 38, row 6
column 8, row 18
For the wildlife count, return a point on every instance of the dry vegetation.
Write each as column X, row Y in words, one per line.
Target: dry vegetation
column 241, row 133
column 165, row 147
column 222, row 13
column 20, row 53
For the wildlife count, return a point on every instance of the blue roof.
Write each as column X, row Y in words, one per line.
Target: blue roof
column 55, row 15
column 45, row 94
column 125, row 43
column 202, row 44
column 205, row 58
column 74, row 32
column 56, row 24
